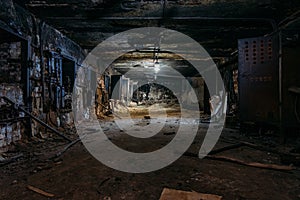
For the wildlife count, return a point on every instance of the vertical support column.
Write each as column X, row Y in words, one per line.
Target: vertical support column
column 25, row 58
column 282, row 135
column 60, row 71
column 206, row 100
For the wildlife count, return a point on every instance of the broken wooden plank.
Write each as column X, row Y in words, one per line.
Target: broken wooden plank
column 171, row 194
column 241, row 162
column 39, row 191
column 252, row 164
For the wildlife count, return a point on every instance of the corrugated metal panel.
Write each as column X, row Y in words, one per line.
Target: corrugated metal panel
column 259, row 79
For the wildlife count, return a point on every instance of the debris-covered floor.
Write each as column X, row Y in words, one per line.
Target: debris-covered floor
column 132, row 63
column 74, row 174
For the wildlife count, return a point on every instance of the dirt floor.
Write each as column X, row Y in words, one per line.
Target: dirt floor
column 77, row 175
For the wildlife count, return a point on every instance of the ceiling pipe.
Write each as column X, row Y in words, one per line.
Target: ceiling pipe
column 272, row 22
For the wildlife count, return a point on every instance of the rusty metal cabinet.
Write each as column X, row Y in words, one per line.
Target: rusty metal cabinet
column 259, row 79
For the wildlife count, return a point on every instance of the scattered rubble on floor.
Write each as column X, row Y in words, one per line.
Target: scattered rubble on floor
column 45, row 168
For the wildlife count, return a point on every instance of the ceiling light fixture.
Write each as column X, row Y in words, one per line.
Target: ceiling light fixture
column 155, row 60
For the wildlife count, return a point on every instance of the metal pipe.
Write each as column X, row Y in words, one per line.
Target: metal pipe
column 17, row 107
column 246, row 19
column 42, row 64
column 289, row 20
column 285, row 23
column 172, row 18
column 280, row 86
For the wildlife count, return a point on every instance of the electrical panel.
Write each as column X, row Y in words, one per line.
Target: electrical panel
column 258, row 79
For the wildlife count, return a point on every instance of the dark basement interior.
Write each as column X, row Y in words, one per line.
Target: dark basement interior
column 49, row 89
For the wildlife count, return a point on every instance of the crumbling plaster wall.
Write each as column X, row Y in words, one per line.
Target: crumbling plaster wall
column 40, row 37
column 11, row 87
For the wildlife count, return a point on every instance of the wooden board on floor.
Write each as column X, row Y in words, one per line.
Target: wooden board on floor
column 170, row 194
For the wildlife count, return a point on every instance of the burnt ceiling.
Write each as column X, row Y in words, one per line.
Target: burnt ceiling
column 88, row 22
column 215, row 24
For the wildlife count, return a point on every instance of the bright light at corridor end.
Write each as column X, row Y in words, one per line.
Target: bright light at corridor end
column 98, row 144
